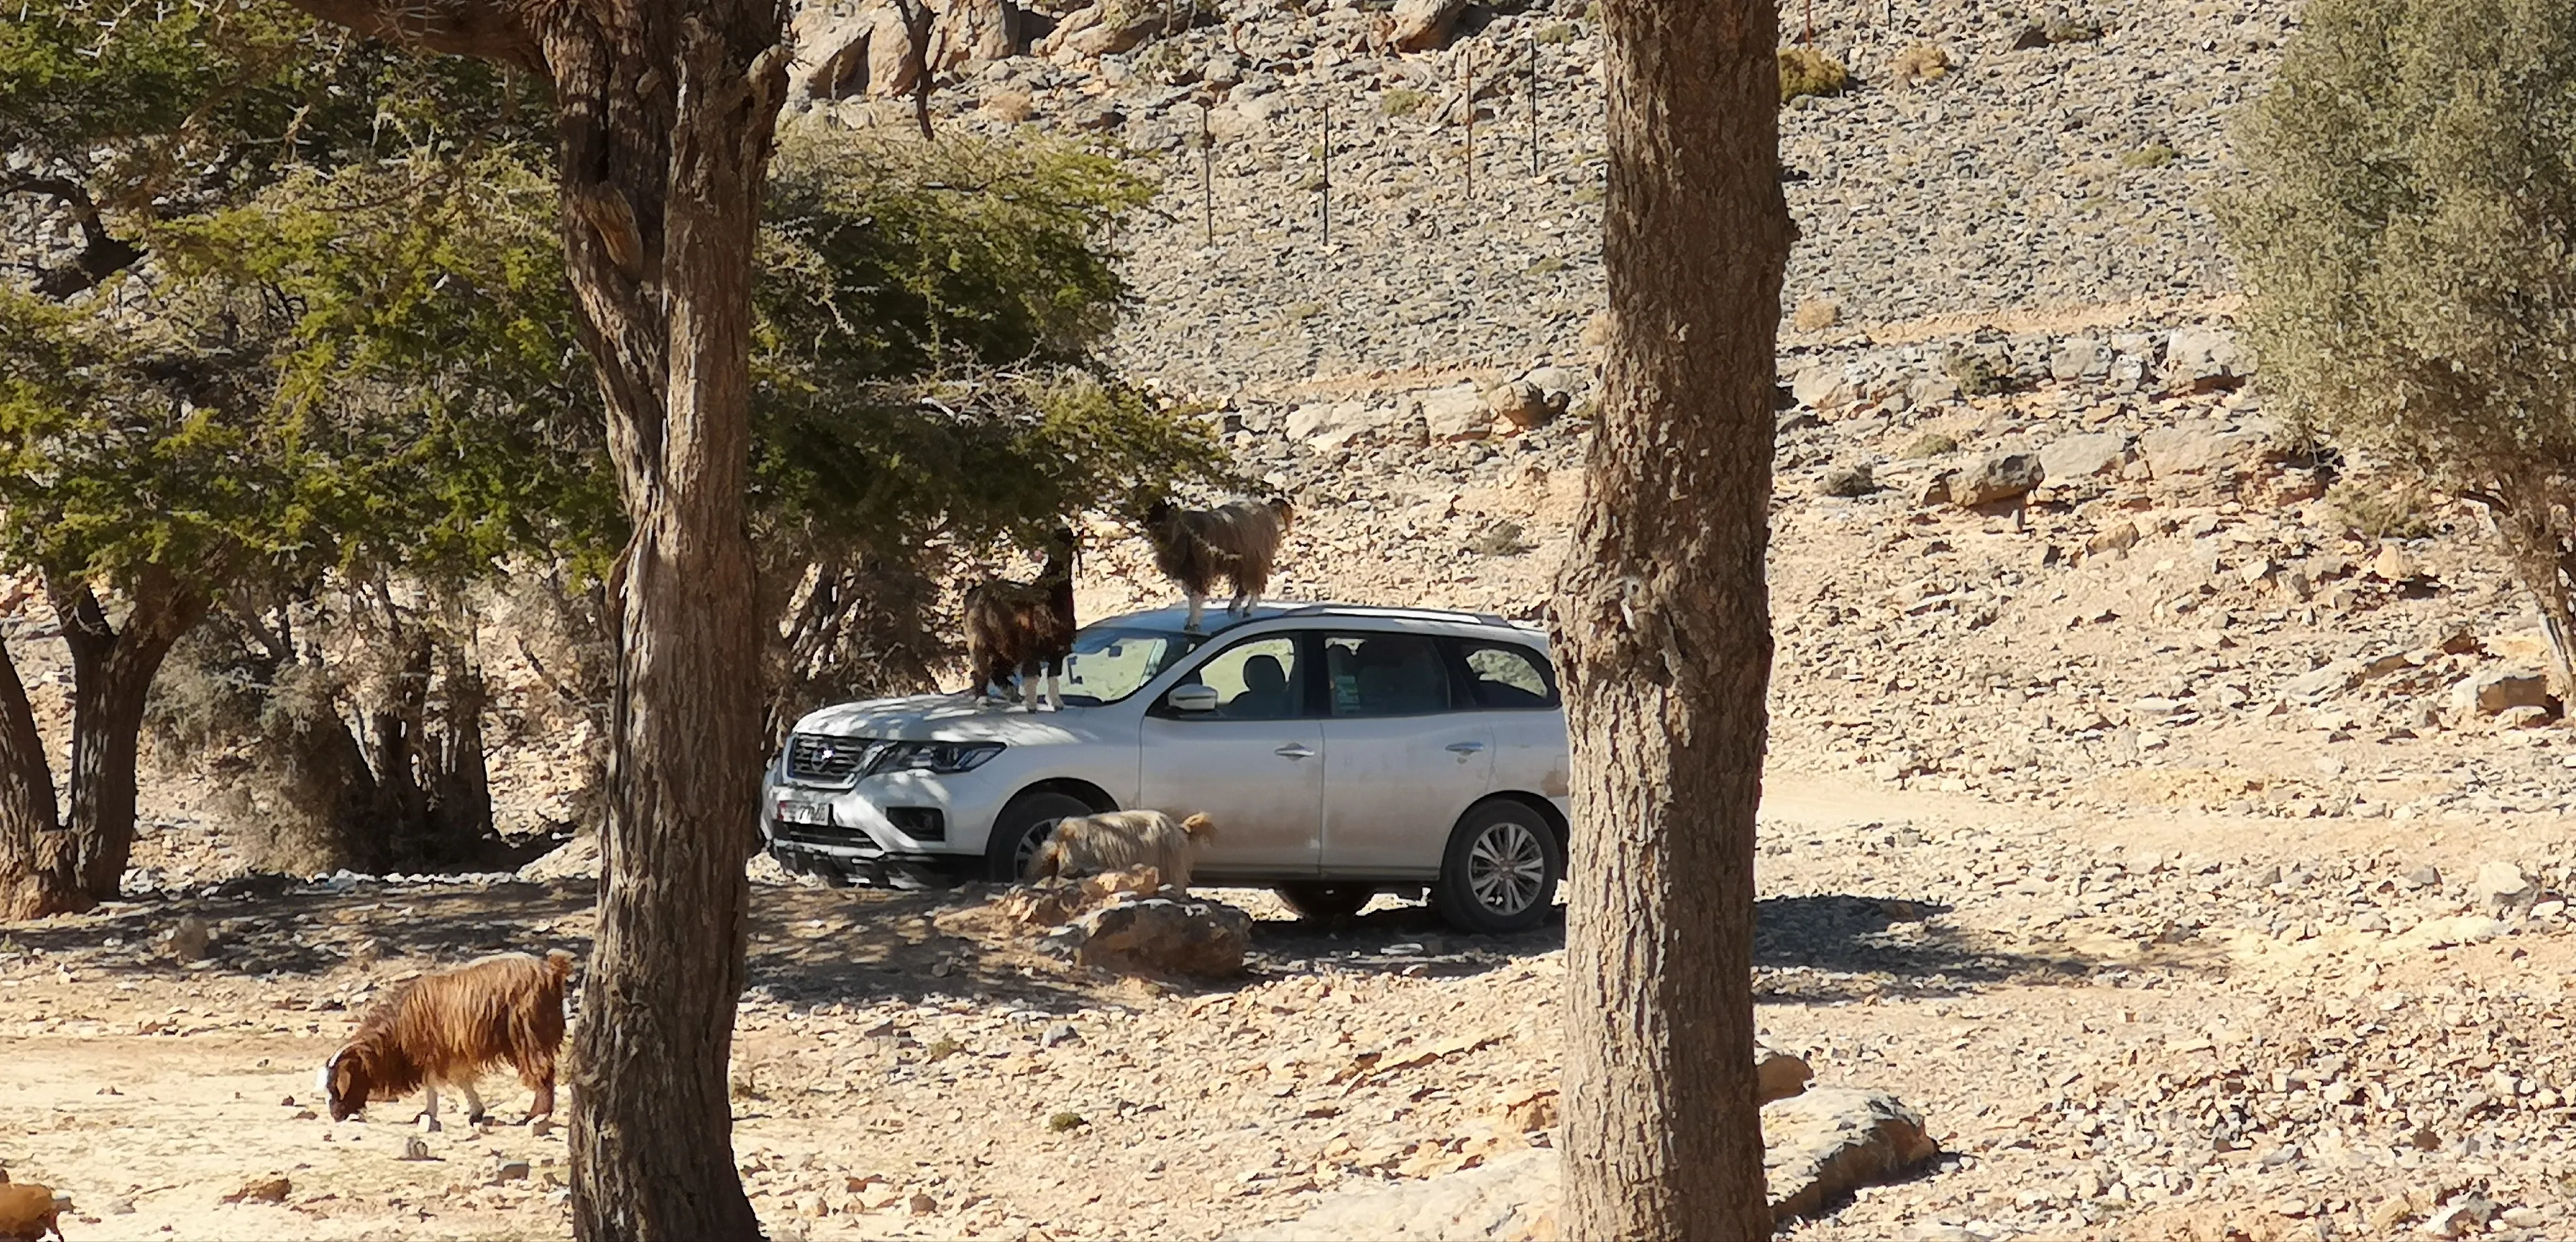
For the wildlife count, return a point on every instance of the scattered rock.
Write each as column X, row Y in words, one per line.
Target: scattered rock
column 509, row 1171
column 190, row 940
column 2501, row 887
column 2493, row 692
column 271, row 1189
column 2117, row 537
column 1060, row 1033
column 1847, row 481
column 2460, row 1217
column 1519, row 403
column 1778, row 1075
column 1510, row 1197
column 1995, row 477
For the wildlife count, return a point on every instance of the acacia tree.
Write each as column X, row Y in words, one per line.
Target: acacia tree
column 121, row 418
column 2404, row 242
column 664, row 114
column 1664, row 624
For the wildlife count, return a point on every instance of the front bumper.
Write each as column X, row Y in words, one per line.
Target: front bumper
column 900, row 830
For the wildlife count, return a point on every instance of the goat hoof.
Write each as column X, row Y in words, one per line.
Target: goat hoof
column 429, row 1124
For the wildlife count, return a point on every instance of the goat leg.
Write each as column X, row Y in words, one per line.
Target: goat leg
column 430, row 1112
column 1197, row 602
column 473, row 1104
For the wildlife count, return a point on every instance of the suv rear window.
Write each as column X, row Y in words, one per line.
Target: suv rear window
column 1503, row 676
column 1386, row 674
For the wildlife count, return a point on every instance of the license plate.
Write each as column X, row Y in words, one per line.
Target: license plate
column 799, row 811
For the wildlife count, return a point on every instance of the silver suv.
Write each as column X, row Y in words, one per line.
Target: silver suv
column 1341, row 750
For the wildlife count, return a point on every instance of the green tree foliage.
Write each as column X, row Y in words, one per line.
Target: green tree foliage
column 2405, row 239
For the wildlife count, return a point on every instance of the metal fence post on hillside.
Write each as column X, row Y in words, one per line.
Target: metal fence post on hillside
column 1326, row 188
column 1470, row 58
column 1207, row 172
column 1534, row 105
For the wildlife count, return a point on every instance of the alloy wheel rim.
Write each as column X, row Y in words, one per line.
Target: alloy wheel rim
column 1029, row 843
column 1505, row 868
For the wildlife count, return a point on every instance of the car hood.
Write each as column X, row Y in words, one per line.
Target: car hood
column 947, row 718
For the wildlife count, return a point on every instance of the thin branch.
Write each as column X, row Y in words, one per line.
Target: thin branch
column 477, row 28
column 102, row 254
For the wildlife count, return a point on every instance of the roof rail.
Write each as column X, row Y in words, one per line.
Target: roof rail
column 1380, row 610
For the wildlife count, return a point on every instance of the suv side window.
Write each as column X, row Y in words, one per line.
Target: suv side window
column 1386, row 674
column 1258, row 679
column 1506, row 676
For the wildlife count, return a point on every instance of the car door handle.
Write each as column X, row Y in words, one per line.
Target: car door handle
column 1465, row 748
column 1295, row 750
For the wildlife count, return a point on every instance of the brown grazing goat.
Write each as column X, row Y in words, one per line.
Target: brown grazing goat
column 448, row 1027
column 28, row 1212
column 1024, row 627
column 1235, row 541
column 1116, row 840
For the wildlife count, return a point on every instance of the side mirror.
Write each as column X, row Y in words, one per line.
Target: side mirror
column 1193, row 698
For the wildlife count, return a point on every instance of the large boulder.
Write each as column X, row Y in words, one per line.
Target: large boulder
column 1817, row 1147
column 2198, row 449
column 2084, row 456
column 2205, row 357
column 1421, row 25
column 1825, row 1143
column 1158, row 937
column 974, row 32
column 1458, row 412
column 1995, row 477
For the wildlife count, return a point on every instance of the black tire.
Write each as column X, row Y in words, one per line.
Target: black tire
column 1501, row 869
column 1021, row 827
column 1324, row 903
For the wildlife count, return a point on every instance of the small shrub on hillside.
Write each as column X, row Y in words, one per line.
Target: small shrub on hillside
column 2056, row 30
column 1560, row 32
column 1816, row 315
column 2155, row 156
column 1923, row 62
column 2380, row 508
column 1403, row 101
column 1806, row 71
column 1929, row 444
column 1977, row 375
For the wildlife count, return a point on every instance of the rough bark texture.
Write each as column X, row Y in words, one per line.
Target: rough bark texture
column 2528, row 518
column 39, row 861
column 1664, row 622
column 112, row 671
column 666, row 114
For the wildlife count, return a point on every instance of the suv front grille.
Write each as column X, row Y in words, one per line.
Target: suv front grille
column 829, row 760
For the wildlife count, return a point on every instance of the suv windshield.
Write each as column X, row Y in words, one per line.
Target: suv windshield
column 1109, row 663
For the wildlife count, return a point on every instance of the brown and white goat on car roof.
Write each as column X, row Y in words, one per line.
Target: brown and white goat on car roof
column 448, row 1027
column 1236, row 542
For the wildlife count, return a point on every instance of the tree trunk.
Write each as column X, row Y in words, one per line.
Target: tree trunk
column 666, row 114
column 463, row 817
column 39, row 861
column 399, row 725
column 1664, row 626
column 2527, row 517
column 112, row 672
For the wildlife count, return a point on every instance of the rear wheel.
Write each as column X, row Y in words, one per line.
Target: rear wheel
column 1323, row 903
column 1501, row 869
column 1022, row 827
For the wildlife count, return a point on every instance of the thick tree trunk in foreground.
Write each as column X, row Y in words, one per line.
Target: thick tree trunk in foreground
column 39, row 861
column 1666, row 638
column 666, row 113
column 112, row 671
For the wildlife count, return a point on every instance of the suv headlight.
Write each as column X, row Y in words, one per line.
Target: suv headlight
column 943, row 758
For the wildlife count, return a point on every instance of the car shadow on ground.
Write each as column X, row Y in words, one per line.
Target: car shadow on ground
column 1842, row 946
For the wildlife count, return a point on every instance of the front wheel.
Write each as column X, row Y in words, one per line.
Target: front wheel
column 1021, row 828
column 1501, row 869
